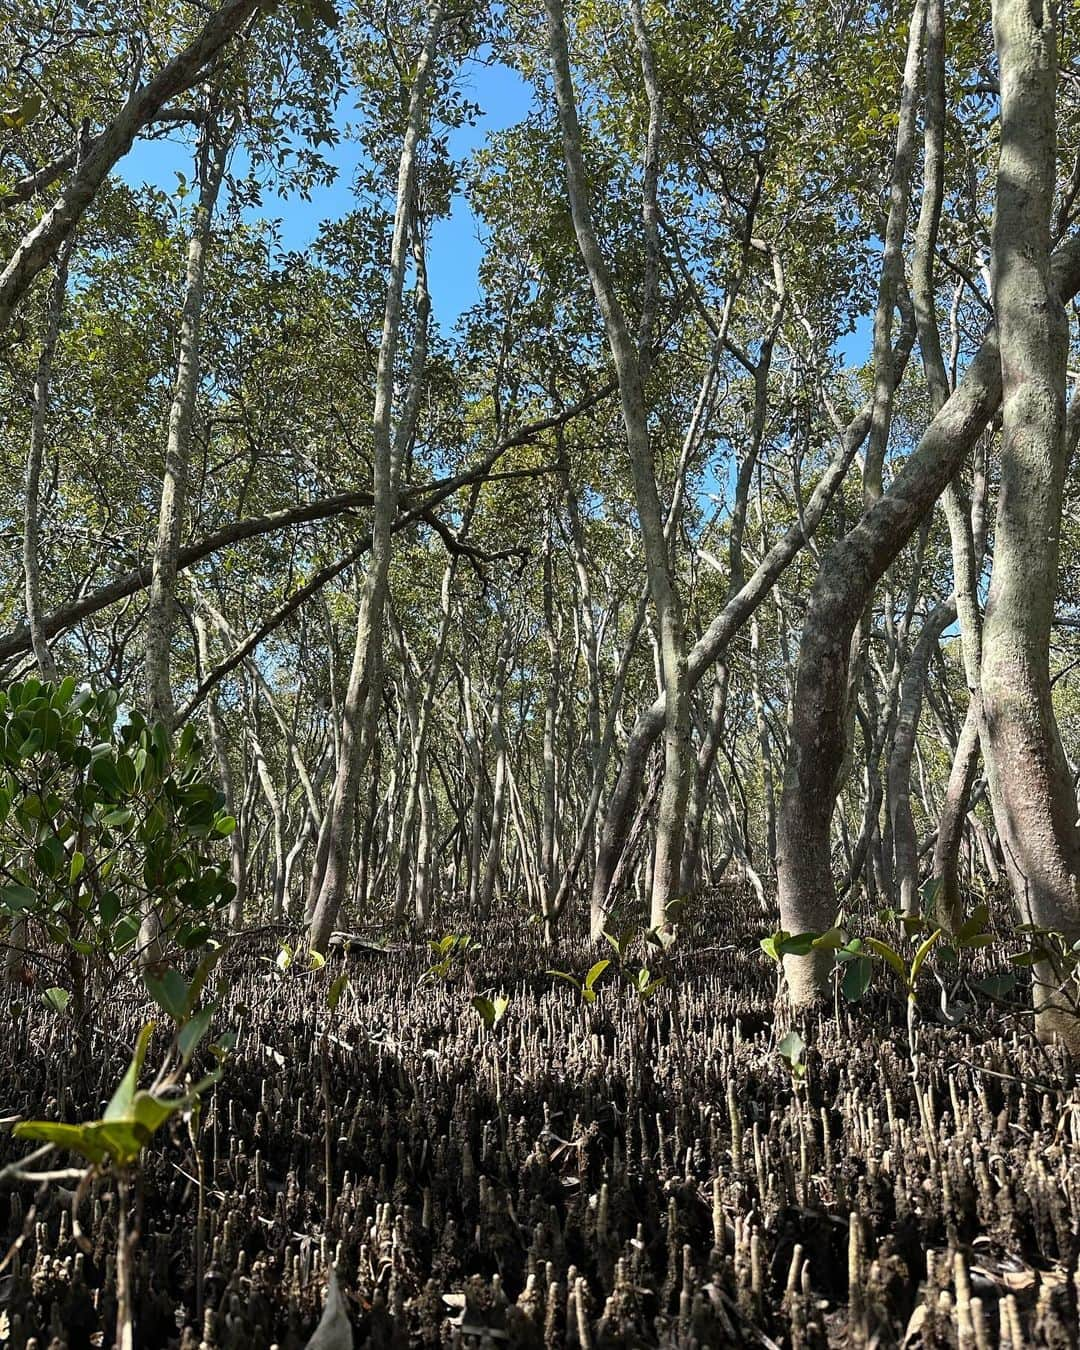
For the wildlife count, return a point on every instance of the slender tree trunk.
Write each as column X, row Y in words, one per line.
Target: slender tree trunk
column 498, row 792
column 160, row 611
column 220, row 747
column 1033, row 798
column 905, row 840
column 709, row 648
column 364, row 696
column 37, row 248
column 54, row 307
column 690, row 879
column 625, row 354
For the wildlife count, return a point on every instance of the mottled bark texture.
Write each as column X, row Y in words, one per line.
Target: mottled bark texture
column 1033, row 799
column 845, row 581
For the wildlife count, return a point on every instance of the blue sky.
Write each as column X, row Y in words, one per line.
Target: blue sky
column 454, row 250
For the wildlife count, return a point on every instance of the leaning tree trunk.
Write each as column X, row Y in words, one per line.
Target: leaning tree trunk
column 1033, row 798
column 41, row 244
column 847, row 577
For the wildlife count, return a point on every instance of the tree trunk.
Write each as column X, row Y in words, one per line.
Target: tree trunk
column 905, row 840
column 36, row 250
column 1033, row 799
column 160, row 610
column 848, row 575
column 363, row 699
column 54, row 307
column 624, row 351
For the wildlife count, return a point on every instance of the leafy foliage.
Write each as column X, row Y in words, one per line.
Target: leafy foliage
column 101, row 817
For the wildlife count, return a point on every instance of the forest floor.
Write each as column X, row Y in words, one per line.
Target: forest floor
column 626, row 1172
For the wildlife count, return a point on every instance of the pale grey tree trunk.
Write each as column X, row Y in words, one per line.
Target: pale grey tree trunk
column 966, row 524
column 1033, row 798
column 158, row 623
column 160, row 611
column 37, row 248
column 364, row 696
column 277, row 816
column 54, row 306
column 690, row 879
column 220, row 747
column 764, row 742
column 847, row 577
column 905, row 839
column 709, row 648
column 498, row 791
column 628, row 366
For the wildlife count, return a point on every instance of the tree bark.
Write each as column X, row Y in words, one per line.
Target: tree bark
column 846, row 579
column 160, row 612
column 363, row 698
column 54, row 307
column 1033, row 799
column 628, row 367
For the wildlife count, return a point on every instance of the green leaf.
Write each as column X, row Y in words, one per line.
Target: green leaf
column 894, row 959
column 595, row 972
column 976, row 940
column 120, row 1102
column 284, row 957
column 192, row 1032
column 15, row 897
column 57, row 999
column 224, row 825
column 486, row 1009
column 150, row 1112
column 125, row 932
column 975, row 924
column 562, row 975
column 930, row 893
column 316, row 960
column 169, row 991
column 76, row 1138
column 78, row 862
column 857, row 976
column 922, row 954
column 830, row 941
column 798, row 944
column 771, row 945
column 791, row 1047
column 999, row 985
column 202, row 974
column 334, row 993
